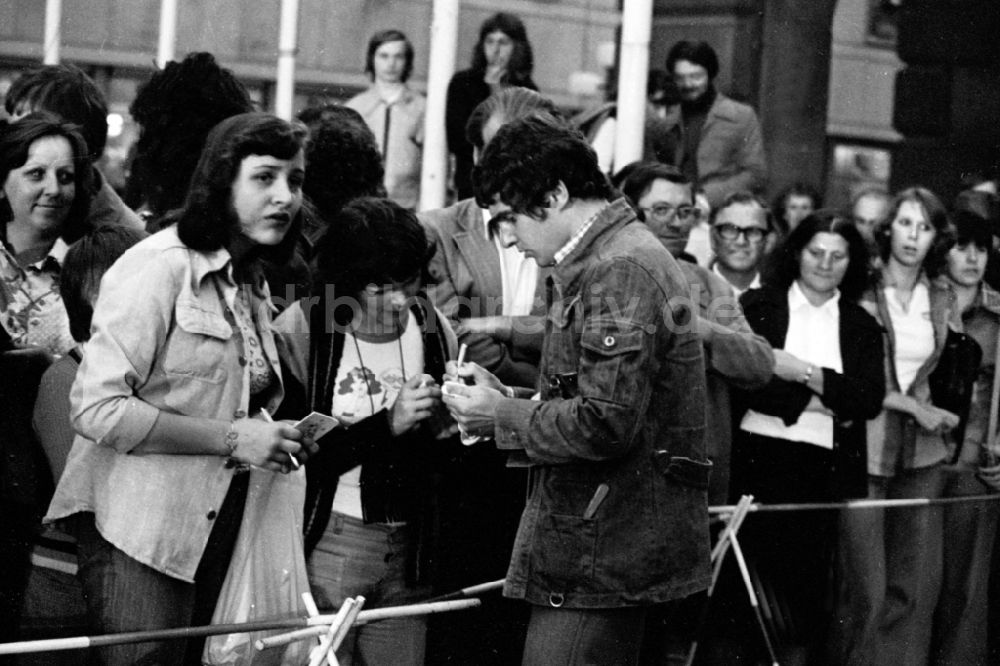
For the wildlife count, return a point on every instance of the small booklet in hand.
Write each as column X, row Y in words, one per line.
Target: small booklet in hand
column 316, row 425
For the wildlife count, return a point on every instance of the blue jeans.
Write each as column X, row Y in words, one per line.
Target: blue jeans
column 584, row 636
column 354, row 559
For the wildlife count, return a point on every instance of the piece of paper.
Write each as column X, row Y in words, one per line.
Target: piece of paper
column 316, row 425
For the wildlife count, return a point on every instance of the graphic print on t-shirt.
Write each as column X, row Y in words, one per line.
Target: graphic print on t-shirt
column 360, row 384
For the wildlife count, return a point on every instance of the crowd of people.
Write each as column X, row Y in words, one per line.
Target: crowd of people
column 548, row 381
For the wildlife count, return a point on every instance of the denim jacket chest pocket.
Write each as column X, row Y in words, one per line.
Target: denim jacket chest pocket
column 196, row 347
column 560, row 369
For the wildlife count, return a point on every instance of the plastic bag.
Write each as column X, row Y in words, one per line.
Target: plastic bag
column 267, row 574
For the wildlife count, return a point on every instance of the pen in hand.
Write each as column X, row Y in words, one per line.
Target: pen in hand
column 267, row 417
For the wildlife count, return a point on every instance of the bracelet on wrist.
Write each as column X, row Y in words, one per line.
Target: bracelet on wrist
column 231, row 441
column 807, row 375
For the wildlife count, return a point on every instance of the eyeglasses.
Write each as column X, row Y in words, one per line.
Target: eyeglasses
column 666, row 212
column 731, row 232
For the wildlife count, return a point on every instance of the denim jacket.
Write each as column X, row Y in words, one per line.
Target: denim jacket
column 161, row 341
column 896, row 441
column 616, row 512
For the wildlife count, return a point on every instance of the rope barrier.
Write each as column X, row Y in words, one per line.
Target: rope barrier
column 726, row 509
column 321, row 622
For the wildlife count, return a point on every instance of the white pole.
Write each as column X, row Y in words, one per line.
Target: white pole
column 434, row 167
column 53, row 18
column 633, row 69
column 166, row 48
column 284, row 96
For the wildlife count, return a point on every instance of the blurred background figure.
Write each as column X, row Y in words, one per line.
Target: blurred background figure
column 868, row 208
column 793, row 204
column 68, row 93
column 342, row 164
column 961, row 619
column 53, row 604
column 718, row 141
column 175, row 109
column 502, row 57
column 599, row 124
column 395, row 114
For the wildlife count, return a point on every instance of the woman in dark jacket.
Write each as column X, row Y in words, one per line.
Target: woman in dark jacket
column 501, row 58
column 370, row 352
column 802, row 437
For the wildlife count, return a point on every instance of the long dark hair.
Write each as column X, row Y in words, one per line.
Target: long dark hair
column 782, row 266
column 15, row 143
column 207, row 221
column 522, row 60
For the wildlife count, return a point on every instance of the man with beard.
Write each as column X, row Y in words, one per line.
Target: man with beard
column 719, row 143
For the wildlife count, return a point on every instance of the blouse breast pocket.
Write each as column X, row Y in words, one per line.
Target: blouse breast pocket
column 196, row 347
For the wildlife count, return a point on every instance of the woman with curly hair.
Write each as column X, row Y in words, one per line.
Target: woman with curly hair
column 502, row 57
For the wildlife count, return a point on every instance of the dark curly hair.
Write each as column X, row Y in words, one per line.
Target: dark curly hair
column 15, row 143
column 528, row 158
column 937, row 216
column 782, row 265
column 207, row 221
column 384, row 37
column 68, row 93
column 342, row 159
column 522, row 60
column 371, row 241
column 176, row 109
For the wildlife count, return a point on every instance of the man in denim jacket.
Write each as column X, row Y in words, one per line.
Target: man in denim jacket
column 616, row 516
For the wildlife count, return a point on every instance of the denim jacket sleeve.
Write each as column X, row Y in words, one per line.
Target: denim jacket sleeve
column 131, row 320
column 606, row 338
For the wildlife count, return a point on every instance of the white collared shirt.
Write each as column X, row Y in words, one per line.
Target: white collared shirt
column 913, row 332
column 813, row 336
column 518, row 276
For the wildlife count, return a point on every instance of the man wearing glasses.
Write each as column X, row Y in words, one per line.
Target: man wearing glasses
column 740, row 230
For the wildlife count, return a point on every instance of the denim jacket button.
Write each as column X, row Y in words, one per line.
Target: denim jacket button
column 609, row 341
column 243, row 360
column 211, row 515
column 239, row 414
column 556, row 599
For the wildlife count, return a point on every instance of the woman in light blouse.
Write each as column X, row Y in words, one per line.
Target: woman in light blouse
column 802, row 437
column 890, row 559
column 166, row 403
